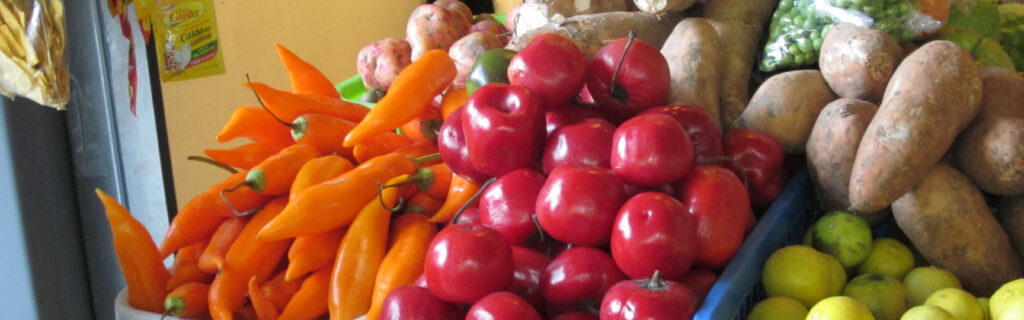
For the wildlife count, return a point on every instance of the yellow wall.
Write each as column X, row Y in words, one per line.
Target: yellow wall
column 326, row 33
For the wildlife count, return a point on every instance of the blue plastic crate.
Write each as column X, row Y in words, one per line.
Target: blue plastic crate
column 738, row 288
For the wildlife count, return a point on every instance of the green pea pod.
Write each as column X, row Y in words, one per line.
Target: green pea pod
column 490, row 67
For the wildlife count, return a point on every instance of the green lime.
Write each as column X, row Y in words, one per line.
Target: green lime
column 883, row 295
column 888, row 257
column 778, row 308
column 922, row 282
column 844, row 236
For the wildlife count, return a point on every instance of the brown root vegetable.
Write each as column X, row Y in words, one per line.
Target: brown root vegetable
column 948, row 221
column 460, row 9
column 493, row 27
column 991, row 150
column 663, row 6
column 1004, row 93
column 433, row 27
column 933, row 95
column 786, row 106
column 832, row 148
column 590, row 32
column 465, row 51
column 380, row 62
column 533, row 14
column 1011, row 215
column 858, row 62
column 694, row 54
column 739, row 24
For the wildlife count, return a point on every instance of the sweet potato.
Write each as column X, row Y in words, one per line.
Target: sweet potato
column 1004, row 93
column 590, row 32
column 380, row 62
column 786, row 106
column 991, row 150
column 1011, row 215
column 832, row 148
column 948, row 221
column 694, row 55
column 533, row 14
column 932, row 96
column 465, row 51
column 433, row 27
column 857, row 62
column 663, row 6
column 739, row 24
column 459, row 9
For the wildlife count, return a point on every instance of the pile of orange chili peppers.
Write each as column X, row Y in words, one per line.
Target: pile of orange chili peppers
column 329, row 209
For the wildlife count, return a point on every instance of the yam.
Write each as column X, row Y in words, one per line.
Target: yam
column 1003, row 93
column 991, row 150
column 694, row 54
column 433, row 27
column 933, row 95
column 948, row 221
column 786, row 106
column 832, row 148
column 858, row 62
column 590, row 32
column 380, row 62
column 740, row 24
column 1011, row 215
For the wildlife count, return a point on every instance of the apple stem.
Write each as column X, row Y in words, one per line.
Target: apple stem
column 455, row 218
column 380, row 197
column 540, row 231
column 228, row 203
column 743, row 172
column 258, row 99
column 655, row 283
column 618, row 92
column 214, row 163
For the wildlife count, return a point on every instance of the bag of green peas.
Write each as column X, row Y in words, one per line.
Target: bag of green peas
column 798, row 27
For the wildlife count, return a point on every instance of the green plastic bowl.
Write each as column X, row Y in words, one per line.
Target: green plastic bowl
column 352, row 88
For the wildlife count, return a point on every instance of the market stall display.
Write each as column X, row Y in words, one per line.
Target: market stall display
column 576, row 174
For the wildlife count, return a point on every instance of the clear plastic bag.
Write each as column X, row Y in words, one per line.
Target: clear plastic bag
column 32, row 51
column 799, row 27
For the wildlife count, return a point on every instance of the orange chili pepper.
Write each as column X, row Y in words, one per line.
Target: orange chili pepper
column 245, row 156
column 186, row 266
column 323, row 132
column 412, row 92
column 265, row 310
column 410, row 239
column 141, row 262
column 332, row 204
column 188, row 227
column 247, row 257
column 418, row 149
column 310, row 302
column 230, row 204
column 212, row 258
column 380, row 144
column 304, row 77
column 312, row 252
column 280, row 291
column 422, row 204
column 274, row 175
column 288, row 106
column 453, row 99
column 460, row 191
column 360, row 255
column 187, row 300
column 257, row 125
column 425, row 126
column 317, row 171
column 439, row 180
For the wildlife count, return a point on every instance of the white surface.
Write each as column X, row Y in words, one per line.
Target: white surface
column 122, row 311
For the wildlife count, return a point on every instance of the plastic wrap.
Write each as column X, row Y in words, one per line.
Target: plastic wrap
column 798, row 27
column 32, row 51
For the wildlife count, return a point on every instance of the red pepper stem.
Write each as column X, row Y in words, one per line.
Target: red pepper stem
column 214, row 163
column 228, row 203
column 476, row 195
column 743, row 171
column 258, row 99
column 621, row 94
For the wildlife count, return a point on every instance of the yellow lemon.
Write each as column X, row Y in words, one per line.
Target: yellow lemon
column 1013, row 310
column 1001, row 299
column 961, row 304
column 778, row 308
column 839, row 308
column 888, row 257
column 798, row 272
column 922, row 282
column 927, row 312
column 983, row 302
column 837, row 276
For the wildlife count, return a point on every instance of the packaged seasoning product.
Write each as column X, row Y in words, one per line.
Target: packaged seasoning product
column 188, row 44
